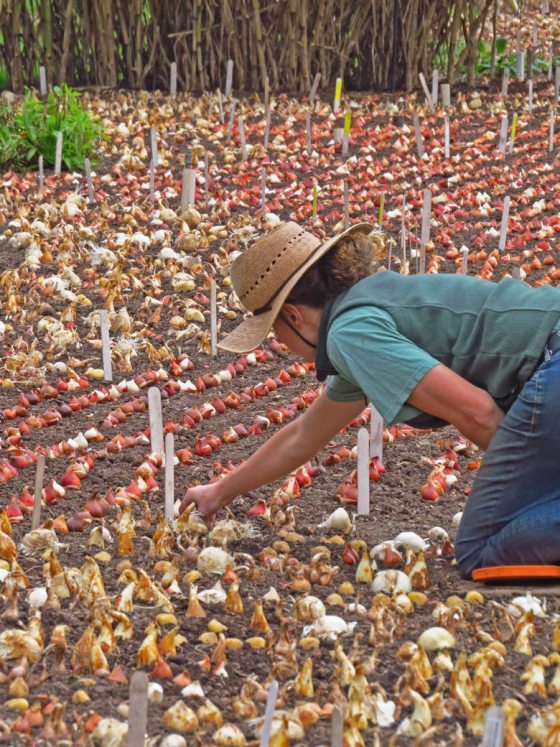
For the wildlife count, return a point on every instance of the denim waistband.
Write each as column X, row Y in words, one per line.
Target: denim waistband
column 553, row 342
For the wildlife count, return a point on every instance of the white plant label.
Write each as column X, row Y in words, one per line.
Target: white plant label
column 152, row 186
column 263, row 188
column 336, row 727
column 156, row 427
column 213, row 319
column 154, row 146
column 503, row 134
column 42, row 81
column 308, row 131
column 314, row 87
column 521, row 66
column 446, row 148
column 363, row 472
column 206, row 178
column 231, row 118
column 376, row 434
column 242, row 140
column 58, row 154
column 137, row 710
column 418, row 133
column 106, row 346
column 504, row 226
column 229, row 77
column 551, row 132
column 505, row 82
column 173, row 80
column 188, row 191
column 464, row 263
column 269, row 713
column 169, row 477
column 425, row 235
column 446, row 95
column 39, row 475
column 426, row 90
column 530, row 96
column 435, row 87
column 41, row 174
column 346, row 205
column 493, row 735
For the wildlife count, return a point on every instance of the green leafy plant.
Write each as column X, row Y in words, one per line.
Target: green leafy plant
column 31, row 130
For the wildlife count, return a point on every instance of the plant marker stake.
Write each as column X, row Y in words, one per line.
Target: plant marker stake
column 206, row 177
column 169, row 477
column 530, row 61
column 267, row 127
column 189, row 183
column 418, row 133
column 530, row 96
column 173, row 80
column 152, row 182
column 314, row 202
column 41, row 174
column 314, row 87
column 229, row 77
column 503, row 134
column 557, row 83
column 58, row 154
column 376, row 435
column 435, row 87
column 91, row 196
column 154, row 146
column 336, row 727
column 447, row 152
column 464, row 264
column 231, row 118
column 493, row 734
column 138, row 710
column 425, row 236
column 241, row 125
column 544, row 7
column 220, row 106
column 446, row 95
column 551, row 132
column 156, row 428
column 504, row 226
column 42, row 81
column 213, row 319
column 363, row 472
column 513, row 132
column 403, row 237
column 263, row 188
column 346, row 133
column 505, row 82
column 381, row 209
column 106, row 346
column 535, row 37
column 269, row 713
column 521, row 66
column 346, row 210
column 308, row 132
column 39, row 475
column 426, row 90
column 550, row 65
column 337, row 95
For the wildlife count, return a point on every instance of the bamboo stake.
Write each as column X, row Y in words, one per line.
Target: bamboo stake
column 446, row 95
column 229, row 78
column 314, row 87
column 42, row 82
column 505, row 82
column 427, row 93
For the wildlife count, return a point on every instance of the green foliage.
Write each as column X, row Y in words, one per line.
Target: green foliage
column 484, row 58
column 31, row 130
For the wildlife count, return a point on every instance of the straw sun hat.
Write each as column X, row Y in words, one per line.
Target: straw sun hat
column 266, row 272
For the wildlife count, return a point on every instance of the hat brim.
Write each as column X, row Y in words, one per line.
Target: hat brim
column 252, row 331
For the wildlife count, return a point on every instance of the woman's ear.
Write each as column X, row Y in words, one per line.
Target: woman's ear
column 292, row 313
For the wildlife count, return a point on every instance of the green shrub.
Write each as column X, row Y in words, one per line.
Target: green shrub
column 31, row 130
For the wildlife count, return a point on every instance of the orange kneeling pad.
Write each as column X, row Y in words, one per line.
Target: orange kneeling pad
column 508, row 573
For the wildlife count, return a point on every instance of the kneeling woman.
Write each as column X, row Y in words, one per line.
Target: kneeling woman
column 424, row 349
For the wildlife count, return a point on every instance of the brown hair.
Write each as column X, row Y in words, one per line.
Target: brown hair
column 350, row 260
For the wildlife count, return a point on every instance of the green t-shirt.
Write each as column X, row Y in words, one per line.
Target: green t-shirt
column 384, row 334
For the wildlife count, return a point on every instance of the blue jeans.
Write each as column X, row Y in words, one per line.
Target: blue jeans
column 512, row 516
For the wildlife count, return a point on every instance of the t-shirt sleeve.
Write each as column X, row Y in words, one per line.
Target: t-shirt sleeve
column 373, row 358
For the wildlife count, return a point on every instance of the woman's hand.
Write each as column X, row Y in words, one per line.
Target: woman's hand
column 207, row 500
